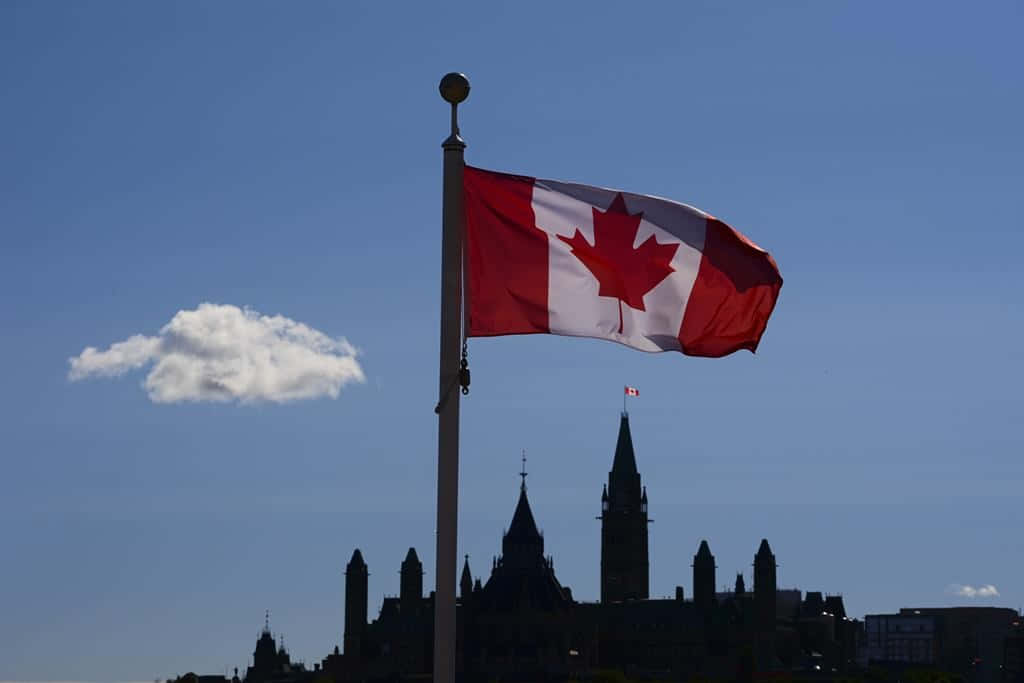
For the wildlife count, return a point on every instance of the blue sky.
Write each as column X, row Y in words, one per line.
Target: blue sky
column 286, row 157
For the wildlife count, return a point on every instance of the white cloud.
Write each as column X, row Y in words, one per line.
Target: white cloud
column 221, row 352
column 985, row 591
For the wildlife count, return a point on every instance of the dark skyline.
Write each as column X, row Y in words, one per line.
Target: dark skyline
column 521, row 621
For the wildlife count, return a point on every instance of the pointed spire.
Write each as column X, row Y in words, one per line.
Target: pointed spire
column 466, row 582
column 704, row 551
column 764, row 550
column 522, row 473
column 357, row 560
column 523, row 528
column 604, row 494
column 643, row 498
column 411, row 557
column 522, row 545
column 266, row 622
column 625, row 460
column 741, row 587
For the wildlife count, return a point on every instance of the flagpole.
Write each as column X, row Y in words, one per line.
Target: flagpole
column 454, row 89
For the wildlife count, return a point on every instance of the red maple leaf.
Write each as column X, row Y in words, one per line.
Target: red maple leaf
column 623, row 272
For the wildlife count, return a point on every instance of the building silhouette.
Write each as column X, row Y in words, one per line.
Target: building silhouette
column 270, row 661
column 523, row 624
column 983, row 644
column 625, row 568
column 356, row 599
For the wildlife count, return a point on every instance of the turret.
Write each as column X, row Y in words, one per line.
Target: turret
column 264, row 657
column 356, row 592
column 764, row 587
column 466, row 582
column 411, row 582
column 704, row 578
column 741, row 587
column 625, row 571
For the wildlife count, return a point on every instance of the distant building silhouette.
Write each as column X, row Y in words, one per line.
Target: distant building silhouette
column 356, row 600
column 270, row 660
column 523, row 624
column 466, row 582
column 982, row 644
column 625, row 570
column 410, row 594
column 1013, row 652
column 704, row 578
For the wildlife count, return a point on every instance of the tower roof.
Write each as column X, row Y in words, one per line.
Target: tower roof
column 704, row 551
column 466, row 576
column 523, row 529
column 357, row 559
column 411, row 557
column 764, row 549
column 625, row 460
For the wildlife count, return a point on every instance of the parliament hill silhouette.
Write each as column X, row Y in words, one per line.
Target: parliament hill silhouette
column 524, row 625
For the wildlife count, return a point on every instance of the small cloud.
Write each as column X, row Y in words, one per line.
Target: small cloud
column 220, row 352
column 964, row 591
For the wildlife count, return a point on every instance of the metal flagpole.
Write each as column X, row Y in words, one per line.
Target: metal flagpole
column 454, row 89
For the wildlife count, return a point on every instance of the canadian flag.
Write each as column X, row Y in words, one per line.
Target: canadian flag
column 632, row 391
column 545, row 256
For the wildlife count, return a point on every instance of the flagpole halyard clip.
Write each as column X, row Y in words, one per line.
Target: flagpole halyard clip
column 462, row 379
column 464, row 369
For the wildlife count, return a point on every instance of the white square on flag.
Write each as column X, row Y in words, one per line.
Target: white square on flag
column 632, row 391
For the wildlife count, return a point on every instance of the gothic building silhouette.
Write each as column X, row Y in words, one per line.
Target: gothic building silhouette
column 522, row 624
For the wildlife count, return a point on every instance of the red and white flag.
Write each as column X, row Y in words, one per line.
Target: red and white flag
column 632, row 391
column 544, row 256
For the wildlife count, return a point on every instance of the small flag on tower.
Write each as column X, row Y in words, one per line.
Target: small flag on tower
column 632, row 391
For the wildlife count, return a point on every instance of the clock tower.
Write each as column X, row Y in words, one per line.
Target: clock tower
column 624, row 564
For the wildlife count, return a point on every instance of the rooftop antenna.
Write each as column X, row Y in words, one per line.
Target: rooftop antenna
column 523, row 472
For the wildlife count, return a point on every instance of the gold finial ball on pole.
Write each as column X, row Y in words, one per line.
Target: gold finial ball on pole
column 454, row 87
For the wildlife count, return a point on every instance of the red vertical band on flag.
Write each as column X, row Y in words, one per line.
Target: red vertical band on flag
column 735, row 291
column 507, row 256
